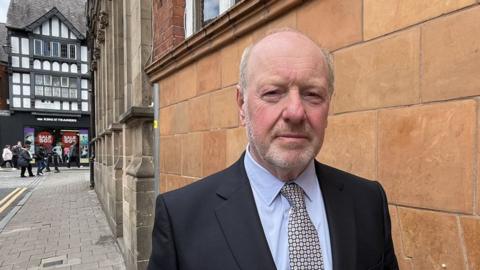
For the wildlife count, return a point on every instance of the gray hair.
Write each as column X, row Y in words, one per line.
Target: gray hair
column 246, row 55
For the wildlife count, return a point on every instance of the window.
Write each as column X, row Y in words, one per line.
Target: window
column 199, row 13
column 63, row 50
column 38, row 85
column 55, row 49
column 73, row 88
column 14, row 41
column 56, row 86
column 65, row 92
column 37, row 47
column 20, row 84
column 64, row 82
column 72, row 51
column 46, row 48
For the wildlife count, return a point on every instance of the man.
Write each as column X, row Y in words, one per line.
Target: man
column 24, row 159
column 40, row 159
column 15, row 153
column 277, row 208
column 73, row 156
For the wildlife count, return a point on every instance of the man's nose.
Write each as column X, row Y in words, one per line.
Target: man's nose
column 294, row 111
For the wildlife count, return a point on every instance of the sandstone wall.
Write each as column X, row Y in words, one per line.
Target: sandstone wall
column 404, row 112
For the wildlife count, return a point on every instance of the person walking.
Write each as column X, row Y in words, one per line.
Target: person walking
column 24, row 158
column 73, row 156
column 16, row 149
column 40, row 159
column 7, row 156
column 52, row 157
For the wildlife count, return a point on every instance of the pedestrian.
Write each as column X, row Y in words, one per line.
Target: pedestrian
column 16, row 149
column 277, row 207
column 24, row 158
column 73, row 155
column 7, row 156
column 52, row 157
column 40, row 156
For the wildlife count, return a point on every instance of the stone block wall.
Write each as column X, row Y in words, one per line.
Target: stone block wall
column 404, row 113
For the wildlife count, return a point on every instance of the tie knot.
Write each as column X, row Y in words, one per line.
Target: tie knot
column 294, row 194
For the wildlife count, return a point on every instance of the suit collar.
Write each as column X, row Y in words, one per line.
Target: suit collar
column 340, row 216
column 240, row 223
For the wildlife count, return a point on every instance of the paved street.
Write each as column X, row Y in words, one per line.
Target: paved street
column 59, row 224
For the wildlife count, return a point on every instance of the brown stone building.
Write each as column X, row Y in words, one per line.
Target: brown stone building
column 404, row 112
column 120, row 38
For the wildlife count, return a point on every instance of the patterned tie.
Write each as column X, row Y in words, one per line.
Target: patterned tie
column 303, row 245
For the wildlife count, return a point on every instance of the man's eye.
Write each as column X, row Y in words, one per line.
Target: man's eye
column 272, row 95
column 313, row 96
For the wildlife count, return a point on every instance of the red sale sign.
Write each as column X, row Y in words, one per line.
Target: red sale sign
column 44, row 137
column 69, row 138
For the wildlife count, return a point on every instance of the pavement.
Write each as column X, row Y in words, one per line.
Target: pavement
column 59, row 224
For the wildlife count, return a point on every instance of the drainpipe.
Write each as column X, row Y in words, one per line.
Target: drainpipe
column 156, row 142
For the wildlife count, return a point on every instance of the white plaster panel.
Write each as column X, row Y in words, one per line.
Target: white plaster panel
column 55, row 27
column 56, row 66
column 46, row 28
column 25, row 62
column 84, row 52
column 37, row 64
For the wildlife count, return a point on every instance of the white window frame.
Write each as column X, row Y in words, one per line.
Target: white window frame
column 193, row 18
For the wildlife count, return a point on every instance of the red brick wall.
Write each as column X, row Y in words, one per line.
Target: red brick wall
column 168, row 25
column 3, row 87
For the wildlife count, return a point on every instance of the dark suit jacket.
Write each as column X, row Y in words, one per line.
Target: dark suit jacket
column 213, row 224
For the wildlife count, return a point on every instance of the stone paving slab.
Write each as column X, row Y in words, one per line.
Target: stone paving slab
column 61, row 226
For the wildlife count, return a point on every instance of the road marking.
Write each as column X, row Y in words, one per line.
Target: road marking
column 9, row 195
column 17, row 192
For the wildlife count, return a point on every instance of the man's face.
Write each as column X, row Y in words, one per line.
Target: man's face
column 285, row 105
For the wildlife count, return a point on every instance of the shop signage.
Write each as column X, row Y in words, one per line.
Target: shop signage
column 69, row 138
column 45, row 138
column 57, row 119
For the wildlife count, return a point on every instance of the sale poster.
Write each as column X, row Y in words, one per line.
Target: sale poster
column 83, row 137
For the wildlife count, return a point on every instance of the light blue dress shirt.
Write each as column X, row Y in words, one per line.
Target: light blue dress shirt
column 273, row 209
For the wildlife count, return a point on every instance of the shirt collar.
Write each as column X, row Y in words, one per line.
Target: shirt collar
column 268, row 186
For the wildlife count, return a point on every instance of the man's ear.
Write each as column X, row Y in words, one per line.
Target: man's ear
column 240, row 103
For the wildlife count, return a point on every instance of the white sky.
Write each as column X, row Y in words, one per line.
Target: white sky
column 3, row 10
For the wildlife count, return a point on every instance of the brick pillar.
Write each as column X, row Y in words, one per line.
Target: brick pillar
column 168, row 25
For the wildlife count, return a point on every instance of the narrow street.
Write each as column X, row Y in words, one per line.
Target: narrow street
column 54, row 222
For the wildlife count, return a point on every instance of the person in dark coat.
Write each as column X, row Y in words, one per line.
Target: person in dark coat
column 73, row 156
column 24, row 158
column 16, row 149
column 40, row 156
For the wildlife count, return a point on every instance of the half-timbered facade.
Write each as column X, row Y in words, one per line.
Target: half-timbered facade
column 48, row 73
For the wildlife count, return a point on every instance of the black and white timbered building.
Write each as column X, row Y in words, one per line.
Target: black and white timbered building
column 48, row 74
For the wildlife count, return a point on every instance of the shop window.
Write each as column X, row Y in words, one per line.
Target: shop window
column 199, row 13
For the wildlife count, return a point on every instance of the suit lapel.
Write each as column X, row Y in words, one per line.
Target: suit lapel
column 240, row 223
column 341, row 219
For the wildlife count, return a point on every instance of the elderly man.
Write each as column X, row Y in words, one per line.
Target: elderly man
column 276, row 207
